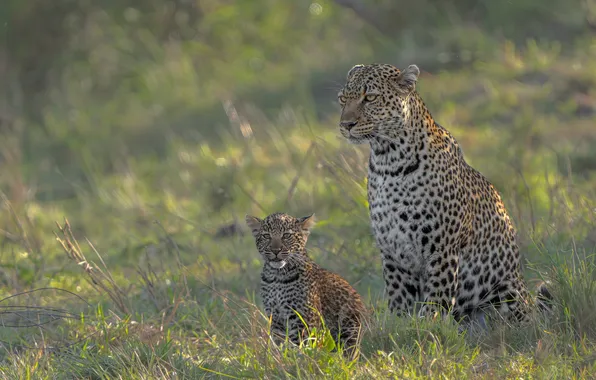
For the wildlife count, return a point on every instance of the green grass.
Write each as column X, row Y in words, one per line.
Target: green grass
column 171, row 299
column 201, row 331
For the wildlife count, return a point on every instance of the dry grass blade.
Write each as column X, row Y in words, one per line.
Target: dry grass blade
column 173, row 244
column 149, row 278
column 23, row 316
column 32, row 316
column 100, row 279
column 30, row 321
column 160, row 299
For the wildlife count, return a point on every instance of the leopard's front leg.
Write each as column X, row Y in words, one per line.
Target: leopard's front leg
column 440, row 283
column 401, row 286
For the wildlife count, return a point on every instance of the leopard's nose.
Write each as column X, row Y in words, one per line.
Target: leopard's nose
column 348, row 124
column 275, row 251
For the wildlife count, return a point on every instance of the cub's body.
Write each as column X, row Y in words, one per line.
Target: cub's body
column 296, row 291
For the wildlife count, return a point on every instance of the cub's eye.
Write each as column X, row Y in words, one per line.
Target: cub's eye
column 266, row 236
column 287, row 235
column 371, row 97
column 342, row 99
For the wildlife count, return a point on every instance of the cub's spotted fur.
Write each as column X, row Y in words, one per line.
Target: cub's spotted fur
column 445, row 236
column 292, row 283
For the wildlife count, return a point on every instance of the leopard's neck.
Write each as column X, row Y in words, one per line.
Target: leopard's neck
column 405, row 147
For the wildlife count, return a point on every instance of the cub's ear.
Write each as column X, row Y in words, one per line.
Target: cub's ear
column 254, row 224
column 307, row 222
column 406, row 80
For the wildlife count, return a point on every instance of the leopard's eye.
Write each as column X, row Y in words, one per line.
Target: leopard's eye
column 266, row 236
column 287, row 235
column 342, row 99
column 371, row 97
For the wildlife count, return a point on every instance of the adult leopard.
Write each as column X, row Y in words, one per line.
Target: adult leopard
column 445, row 237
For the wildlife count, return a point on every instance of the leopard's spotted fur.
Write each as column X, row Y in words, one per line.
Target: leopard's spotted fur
column 444, row 234
column 292, row 284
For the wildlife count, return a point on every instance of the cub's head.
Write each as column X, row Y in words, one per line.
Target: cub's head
column 279, row 236
column 374, row 99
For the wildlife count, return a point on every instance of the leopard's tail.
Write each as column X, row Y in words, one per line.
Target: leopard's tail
column 544, row 298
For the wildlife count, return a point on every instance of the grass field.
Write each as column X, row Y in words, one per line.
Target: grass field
column 147, row 279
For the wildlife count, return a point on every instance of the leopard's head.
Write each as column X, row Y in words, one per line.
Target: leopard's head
column 279, row 236
column 374, row 100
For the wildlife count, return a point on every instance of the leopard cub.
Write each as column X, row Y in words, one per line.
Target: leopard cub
column 292, row 284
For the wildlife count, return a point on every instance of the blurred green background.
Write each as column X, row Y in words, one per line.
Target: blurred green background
column 154, row 126
column 116, row 114
column 193, row 113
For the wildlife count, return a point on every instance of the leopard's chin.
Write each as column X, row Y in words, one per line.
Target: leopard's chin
column 356, row 141
column 360, row 138
column 277, row 264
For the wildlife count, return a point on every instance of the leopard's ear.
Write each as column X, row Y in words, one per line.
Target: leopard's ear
column 307, row 223
column 254, row 224
column 406, row 80
column 353, row 70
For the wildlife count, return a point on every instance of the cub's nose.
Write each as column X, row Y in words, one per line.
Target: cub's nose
column 275, row 250
column 348, row 124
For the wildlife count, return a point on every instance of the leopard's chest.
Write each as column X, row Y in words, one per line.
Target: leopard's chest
column 402, row 209
column 283, row 295
column 391, row 199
